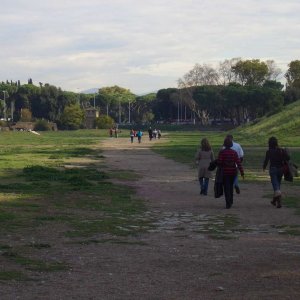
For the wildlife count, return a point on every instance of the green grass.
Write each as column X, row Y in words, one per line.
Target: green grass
column 221, row 227
column 35, row 264
column 285, row 125
column 182, row 147
column 36, row 180
column 292, row 202
column 59, row 179
column 12, row 275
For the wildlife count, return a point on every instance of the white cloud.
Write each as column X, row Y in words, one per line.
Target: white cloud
column 141, row 46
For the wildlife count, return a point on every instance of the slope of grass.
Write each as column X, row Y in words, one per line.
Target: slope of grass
column 285, row 125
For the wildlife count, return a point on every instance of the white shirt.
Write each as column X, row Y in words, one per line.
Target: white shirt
column 238, row 149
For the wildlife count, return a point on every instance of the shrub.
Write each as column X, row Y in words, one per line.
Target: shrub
column 41, row 125
column 104, row 122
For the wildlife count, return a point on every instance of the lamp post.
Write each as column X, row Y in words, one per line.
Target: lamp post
column 4, row 110
column 119, row 112
column 129, row 112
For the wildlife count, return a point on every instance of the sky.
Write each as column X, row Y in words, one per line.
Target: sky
column 140, row 45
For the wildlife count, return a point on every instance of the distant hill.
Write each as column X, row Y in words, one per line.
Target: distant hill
column 285, row 125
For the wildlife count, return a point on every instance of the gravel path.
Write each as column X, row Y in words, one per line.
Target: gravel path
column 197, row 250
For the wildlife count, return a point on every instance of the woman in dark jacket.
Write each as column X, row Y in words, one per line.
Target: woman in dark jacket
column 229, row 161
column 276, row 156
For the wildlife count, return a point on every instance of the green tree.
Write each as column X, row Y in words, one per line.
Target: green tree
column 164, row 107
column 115, row 100
column 72, row 117
column 292, row 75
column 104, row 122
column 251, row 72
column 293, row 82
column 141, row 107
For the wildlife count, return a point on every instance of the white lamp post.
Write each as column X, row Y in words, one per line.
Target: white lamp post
column 4, row 110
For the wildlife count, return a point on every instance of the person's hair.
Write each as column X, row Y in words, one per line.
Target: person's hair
column 273, row 142
column 205, row 146
column 227, row 143
column 229, row 136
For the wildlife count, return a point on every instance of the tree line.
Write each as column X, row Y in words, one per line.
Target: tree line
column 237, row 90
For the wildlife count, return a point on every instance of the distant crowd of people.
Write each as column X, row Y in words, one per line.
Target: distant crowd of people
column 114, row 132
column 229, row 163
column 153, row 134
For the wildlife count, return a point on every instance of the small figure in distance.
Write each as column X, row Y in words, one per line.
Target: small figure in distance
column 159, row 133
column 132, row 135
column 110, row 132
column 116, row 132
column 139, row 135
column 150, row 132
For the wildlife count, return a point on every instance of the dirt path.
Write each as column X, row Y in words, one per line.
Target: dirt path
column 197, row 250
column 195, row 255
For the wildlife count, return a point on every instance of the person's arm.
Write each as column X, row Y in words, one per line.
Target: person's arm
column 241, row 153
column 286, row 155
column 239, row 165
column 266, row 161
column 212, row 156
column 220, row 158
column 197, row 156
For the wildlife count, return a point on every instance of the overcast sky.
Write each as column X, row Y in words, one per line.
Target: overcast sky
column 137, row 44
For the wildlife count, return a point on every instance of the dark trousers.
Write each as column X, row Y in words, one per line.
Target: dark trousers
column 228, row 189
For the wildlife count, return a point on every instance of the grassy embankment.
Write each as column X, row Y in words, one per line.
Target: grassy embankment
column 182, row 146
column 59, row 179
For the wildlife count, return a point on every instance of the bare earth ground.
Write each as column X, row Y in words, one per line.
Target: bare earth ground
column 197, row 250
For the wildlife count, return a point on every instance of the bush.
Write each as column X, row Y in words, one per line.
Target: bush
column 72, row 117
column 104, row 122
column 41, row 125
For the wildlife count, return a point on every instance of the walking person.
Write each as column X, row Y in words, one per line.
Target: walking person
column 150, row 132
column 204, row 157
column 111, row 132
column 239, row 150
column 230, row 163
column 116, row 132
column 139, row 135
column 276, row 156
column 132, row 134
column 159, row 133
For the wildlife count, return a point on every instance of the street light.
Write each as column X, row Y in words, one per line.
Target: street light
column 129, row 112
column 4, row 94
column 119, row 112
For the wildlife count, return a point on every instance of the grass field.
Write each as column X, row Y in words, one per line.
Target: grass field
column 59, row 178
column 182, row 147
column 42, row 177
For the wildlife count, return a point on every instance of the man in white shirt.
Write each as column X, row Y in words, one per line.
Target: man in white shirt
column 238, row 149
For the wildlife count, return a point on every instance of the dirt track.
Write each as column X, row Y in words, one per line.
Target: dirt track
column 198, row 249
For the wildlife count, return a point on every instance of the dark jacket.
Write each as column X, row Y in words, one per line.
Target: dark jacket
column 276, row 157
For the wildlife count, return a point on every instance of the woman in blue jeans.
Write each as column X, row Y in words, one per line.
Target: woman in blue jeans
column 204, row 157
column 276, row 156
